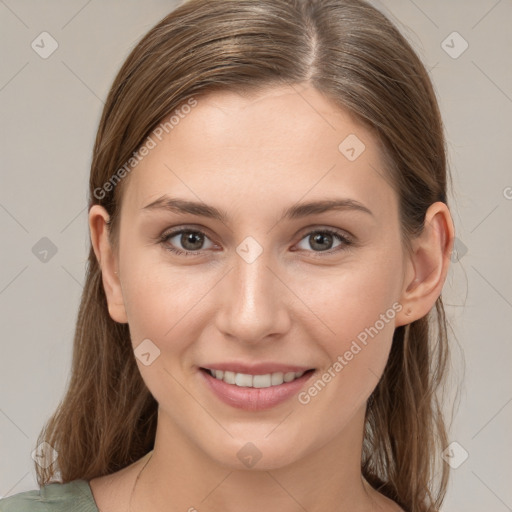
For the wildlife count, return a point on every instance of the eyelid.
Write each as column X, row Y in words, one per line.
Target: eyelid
column 185, row 228
column 335, row 231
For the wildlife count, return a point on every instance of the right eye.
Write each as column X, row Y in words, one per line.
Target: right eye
column 191, row 241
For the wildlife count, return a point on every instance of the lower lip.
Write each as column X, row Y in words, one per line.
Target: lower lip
column 254, row 399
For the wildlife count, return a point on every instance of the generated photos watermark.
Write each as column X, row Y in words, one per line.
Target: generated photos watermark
column 355, row 348
column 150, row 143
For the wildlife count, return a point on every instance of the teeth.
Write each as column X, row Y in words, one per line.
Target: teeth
column 245, row 380
column 288, row 377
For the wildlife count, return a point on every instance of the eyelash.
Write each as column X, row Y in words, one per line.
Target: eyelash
column 346, row 242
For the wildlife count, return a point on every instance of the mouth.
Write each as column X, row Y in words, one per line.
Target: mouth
column 246, row 380
column 255, row 391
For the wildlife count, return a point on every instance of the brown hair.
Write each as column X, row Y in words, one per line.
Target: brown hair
column 356, row 57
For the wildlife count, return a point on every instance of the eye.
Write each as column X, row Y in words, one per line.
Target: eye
column 322, row 240
column 191, row 241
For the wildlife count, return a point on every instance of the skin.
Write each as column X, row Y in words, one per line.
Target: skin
column 254, row 156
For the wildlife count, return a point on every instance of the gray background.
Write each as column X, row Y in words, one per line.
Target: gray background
column 49, row 111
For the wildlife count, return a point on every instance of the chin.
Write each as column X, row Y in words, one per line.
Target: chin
column 257, row 455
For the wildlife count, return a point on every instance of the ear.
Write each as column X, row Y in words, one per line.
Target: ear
column 107, row 260
column 427, row 265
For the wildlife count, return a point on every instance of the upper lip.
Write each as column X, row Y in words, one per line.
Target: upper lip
column 256, row 368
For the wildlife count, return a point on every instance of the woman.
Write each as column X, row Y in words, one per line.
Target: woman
column 262, row 324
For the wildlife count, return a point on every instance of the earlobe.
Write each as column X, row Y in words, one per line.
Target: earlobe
column 98, row 226
column 428, row 265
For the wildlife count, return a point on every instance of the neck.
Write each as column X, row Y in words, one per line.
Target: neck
column 181, row 477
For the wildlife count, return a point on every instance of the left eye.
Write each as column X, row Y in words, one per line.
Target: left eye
column 323, row 239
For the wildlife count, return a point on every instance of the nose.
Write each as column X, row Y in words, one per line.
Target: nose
column 253, row 300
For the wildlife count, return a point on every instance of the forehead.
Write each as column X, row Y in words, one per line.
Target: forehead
column 271, row 147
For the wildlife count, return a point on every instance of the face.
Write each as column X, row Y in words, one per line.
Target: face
column 251, row 282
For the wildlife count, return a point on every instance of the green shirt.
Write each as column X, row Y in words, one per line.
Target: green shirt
column 75, row 496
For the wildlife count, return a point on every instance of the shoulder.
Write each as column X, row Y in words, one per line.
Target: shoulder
column 75, row 496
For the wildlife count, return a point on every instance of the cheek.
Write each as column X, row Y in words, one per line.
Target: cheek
column 354, row 296
column 163, row 301
column 360, row 308
column 164, row 305
column 358, row 305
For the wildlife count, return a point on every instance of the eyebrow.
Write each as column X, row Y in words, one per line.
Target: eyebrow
column 297, row 211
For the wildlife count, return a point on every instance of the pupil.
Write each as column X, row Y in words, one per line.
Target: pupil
column 318, row 238
column 189, row 238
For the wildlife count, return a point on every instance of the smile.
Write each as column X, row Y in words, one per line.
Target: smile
column 245, row 380
column 254, row 392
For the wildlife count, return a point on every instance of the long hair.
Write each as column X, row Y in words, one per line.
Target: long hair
column 351, row 53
